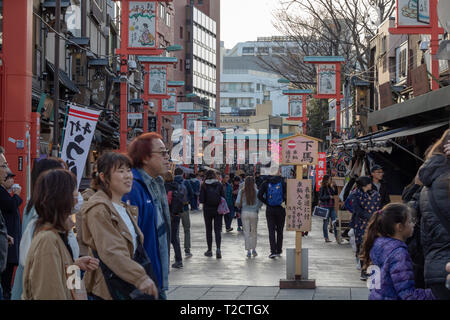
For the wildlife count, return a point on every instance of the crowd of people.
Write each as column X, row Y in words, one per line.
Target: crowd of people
column 118, row 235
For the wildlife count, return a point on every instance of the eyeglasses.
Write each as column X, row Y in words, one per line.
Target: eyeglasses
column 163, row 152
column 5, row 165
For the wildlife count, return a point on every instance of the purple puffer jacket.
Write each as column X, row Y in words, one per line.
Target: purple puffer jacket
column 397, row 276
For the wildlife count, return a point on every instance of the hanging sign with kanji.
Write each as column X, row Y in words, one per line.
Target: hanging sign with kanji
column 78, row 135
column 413, row 13
column 298, row 206
column 299, row 150
column 157, row 79
column 321, row 169
column 295, row 106
column 142, row 24
column 170, row 105
column 326, row 79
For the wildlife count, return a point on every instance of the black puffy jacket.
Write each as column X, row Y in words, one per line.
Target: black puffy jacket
column 435, row 175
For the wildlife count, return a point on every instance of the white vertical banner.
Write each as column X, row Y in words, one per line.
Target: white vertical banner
column 80, row 128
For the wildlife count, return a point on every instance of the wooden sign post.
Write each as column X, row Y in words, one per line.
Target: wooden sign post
column 299, row 150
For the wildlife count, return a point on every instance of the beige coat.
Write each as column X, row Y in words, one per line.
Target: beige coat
column 106, row 232
column 45, row 272
column 84, row 250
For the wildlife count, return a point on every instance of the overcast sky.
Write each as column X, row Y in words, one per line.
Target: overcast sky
column 245, row 20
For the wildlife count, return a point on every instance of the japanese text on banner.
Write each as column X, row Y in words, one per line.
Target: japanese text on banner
column 321, row 169
column 298, row 209
column 78, row 135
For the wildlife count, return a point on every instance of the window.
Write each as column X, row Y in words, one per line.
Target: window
column 181, row 33
column 162, row 11
column 402, row 62
column 248, row 50
column 258, row 87
column 181, row 64
column 277, row 50
column 263, row 50
column 168, row 19
column 383, row 45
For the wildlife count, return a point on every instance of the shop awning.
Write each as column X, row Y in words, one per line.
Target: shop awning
column 63, row 78
column 411, row 109
column 411, row 131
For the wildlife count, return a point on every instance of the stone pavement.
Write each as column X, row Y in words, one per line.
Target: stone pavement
column 236, row 277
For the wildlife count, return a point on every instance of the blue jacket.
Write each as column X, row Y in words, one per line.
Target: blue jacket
column 187, row 184
column 154, row 243
column 396, row 272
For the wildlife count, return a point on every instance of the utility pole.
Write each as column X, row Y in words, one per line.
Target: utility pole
column 56, row 81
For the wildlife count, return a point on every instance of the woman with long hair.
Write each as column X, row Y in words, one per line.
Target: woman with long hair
column 365, row 203
column 211, row 193
column 327, row 190
column 250, row 205
column 111, row 232
column 50, row 255
column 434, row 207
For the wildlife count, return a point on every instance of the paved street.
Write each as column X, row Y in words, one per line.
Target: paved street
column 236, row 277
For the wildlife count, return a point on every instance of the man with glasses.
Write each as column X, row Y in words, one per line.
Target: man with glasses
column 150, row 162
column 378, row 184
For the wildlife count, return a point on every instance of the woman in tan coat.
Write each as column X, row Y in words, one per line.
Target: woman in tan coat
column 110, row 230
column 50, row 272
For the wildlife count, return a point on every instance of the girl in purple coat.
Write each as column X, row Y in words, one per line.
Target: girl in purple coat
column 385, row 255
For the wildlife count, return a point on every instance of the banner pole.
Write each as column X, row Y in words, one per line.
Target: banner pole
column 64, row 131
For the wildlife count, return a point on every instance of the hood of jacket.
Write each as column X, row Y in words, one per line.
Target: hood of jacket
column 383, row 247
column 274, row 179
column 178, row 179
column 211, row 181
column 434, row 167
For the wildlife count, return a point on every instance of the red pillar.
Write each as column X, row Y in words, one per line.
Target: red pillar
column 434, row 44
column 16, row 112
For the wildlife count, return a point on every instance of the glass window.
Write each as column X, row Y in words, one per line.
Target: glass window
column 195, row 14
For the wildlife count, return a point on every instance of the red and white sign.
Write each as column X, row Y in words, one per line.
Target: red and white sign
column 321, row 169
column 291, row 144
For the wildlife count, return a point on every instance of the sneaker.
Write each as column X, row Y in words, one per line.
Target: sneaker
column 239, row 229
column 218, row 254
column 188, row 254
column 363, row 276
column 249, row 254
column 358, row 264
column 208, row 253
column 279, row 254
column 327, row 240
column 229, row 229
column 272, row 256
column 254, row 253
column 177, row 265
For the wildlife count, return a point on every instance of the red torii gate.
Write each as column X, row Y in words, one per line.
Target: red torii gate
column 146, row 45
column 294, row 116
column 327, row 67
column 428, row 25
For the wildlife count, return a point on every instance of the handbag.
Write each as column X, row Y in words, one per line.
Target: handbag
column 321, row 212
column 223, row 207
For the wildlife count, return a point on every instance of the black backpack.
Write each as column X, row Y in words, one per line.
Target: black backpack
column 213, row 195
column 178, row 197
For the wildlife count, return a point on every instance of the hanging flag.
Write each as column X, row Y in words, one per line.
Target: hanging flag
column 321, row 169
column 80, row 128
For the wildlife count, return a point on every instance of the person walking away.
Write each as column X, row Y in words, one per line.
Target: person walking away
column 211, row 193
column 258, row 179
column 435, row 209
column 236, row 187
column 379, row 185
column 273, row 195
column 228, row 191
column 175, row 195
column 50, row 259
column 29, row 220
column 185, row 218
column 150, row 162
column 9, row 206
column 250, row 205
column 327, row 190
column 195, row 184
column 112, row 234
column 365, row 203
column 384, row 246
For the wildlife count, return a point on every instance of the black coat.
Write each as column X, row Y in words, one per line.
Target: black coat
column 385, row 199
column 435, row 175
column 216, row 185
column 9, row 206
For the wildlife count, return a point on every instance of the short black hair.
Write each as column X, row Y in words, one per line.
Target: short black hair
column 179, row 172
column 363, row 181
column 376, row 167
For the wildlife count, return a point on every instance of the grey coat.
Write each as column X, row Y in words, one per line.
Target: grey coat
column 435, row 175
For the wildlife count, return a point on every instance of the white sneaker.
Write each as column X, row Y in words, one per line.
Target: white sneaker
column 358, row 265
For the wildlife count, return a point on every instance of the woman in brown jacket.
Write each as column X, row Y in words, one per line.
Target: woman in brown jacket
column 109, row 228
column 49, row 264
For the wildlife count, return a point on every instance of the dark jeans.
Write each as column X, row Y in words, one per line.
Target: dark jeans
column 175, row 237
column 276, row 217
column 217, row 218
column 194, row 203
column 7, row 279
column 229, row 217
